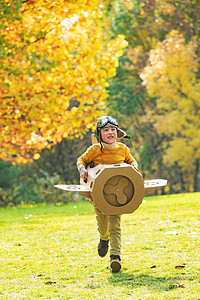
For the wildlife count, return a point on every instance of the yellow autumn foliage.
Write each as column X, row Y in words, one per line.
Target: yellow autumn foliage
column 171, row 77
column 54, row 76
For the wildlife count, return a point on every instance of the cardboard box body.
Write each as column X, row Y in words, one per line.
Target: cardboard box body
column 114, row 189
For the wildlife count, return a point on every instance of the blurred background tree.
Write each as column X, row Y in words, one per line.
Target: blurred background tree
column 154, row 93
column 145, row 24
column 55, row 64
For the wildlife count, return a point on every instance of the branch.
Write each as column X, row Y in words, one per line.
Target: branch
column 40, row 38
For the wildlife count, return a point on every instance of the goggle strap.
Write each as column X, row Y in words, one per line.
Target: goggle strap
column 126, row 137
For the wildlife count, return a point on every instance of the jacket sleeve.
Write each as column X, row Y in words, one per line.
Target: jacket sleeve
column 129, row 158
column 85, row 158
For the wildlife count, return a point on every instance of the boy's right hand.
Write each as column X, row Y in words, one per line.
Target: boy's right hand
column 83, row 173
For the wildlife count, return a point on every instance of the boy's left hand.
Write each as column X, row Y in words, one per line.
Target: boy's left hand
column 83, row 173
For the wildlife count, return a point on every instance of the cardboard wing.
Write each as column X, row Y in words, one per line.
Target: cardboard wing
column 150, row 185
column 72, row 188
column 81, row 189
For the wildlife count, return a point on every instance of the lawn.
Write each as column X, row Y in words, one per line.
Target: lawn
column 50, row 252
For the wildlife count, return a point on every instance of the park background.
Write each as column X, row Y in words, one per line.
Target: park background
column 66, row 63
column 63, row 64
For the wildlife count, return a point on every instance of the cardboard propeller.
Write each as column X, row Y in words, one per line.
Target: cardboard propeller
column 114, row 189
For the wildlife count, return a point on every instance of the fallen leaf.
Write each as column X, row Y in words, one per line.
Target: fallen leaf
column 50, row 282
column 176, row 285
column 179, row 267
column 21, row 269
column 174, row 232
column 181, row 285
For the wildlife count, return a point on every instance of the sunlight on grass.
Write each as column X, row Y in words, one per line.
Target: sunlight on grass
column 50, row 252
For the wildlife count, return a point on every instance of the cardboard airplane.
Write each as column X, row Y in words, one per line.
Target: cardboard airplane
column 114, row 189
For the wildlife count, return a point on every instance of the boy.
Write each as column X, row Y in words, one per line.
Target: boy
column 107, row 151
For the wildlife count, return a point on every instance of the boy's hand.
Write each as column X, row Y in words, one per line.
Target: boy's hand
column 135, row 165
column 83, row 173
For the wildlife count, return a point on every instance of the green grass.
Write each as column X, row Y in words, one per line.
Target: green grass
column 50, row 252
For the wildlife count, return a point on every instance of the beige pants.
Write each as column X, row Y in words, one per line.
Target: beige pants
column 109, row 229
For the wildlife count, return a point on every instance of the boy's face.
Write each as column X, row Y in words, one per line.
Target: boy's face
column 109, row 134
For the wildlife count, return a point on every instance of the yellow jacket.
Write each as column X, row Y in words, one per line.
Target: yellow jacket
column 115, row 155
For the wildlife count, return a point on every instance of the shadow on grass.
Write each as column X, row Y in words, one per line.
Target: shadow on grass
column 151, row 282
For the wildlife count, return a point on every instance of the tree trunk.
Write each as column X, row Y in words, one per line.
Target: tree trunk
column 180, row 179
column 196, row 177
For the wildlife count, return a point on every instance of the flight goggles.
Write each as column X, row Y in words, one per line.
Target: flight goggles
column 103, row 121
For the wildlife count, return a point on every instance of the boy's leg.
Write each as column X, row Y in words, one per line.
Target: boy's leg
column 102, row 224
column 114, row 227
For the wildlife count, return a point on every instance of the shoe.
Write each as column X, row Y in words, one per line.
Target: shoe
column 115, row 263
column 103, row 247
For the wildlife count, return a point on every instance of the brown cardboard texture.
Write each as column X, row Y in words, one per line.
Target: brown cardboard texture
column 114, row 189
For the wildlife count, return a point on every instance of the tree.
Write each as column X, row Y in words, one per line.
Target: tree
column 55, row 64
column 62, row 159
column 171, row 78
column 144, row 23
